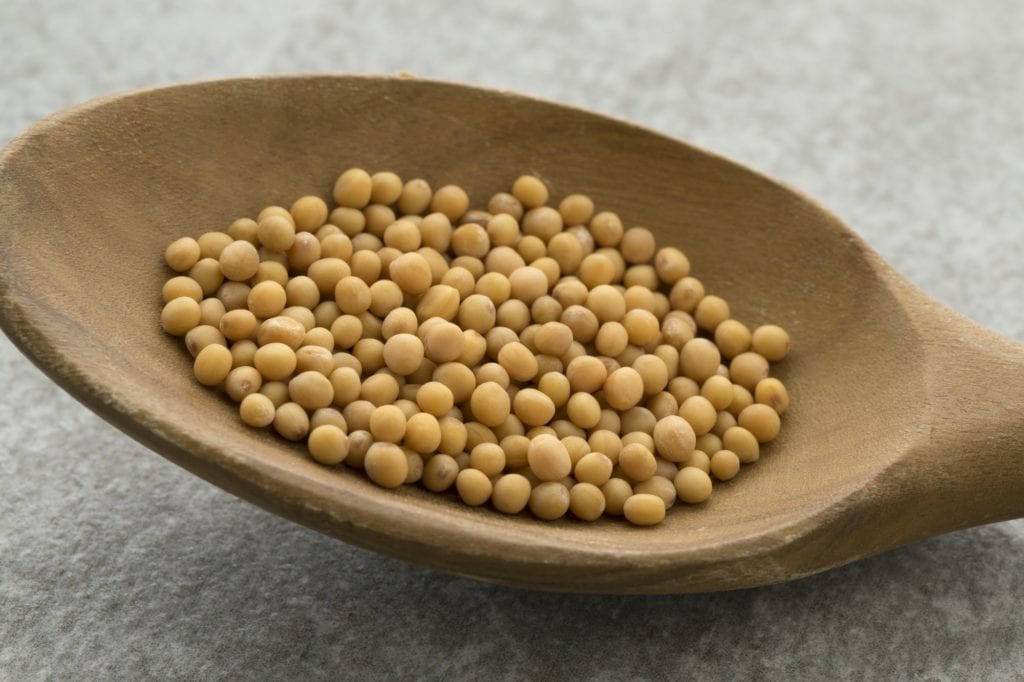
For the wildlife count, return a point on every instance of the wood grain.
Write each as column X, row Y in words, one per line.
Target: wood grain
column 906, row 418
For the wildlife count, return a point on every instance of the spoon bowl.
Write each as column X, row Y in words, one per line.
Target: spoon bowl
column 906, row 418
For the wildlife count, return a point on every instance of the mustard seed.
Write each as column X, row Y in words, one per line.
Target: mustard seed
column 533, row 407
column 710, row 312
column 699, row 359
column 182, row 254
column 700, row 413
column 760, row 420
column 490, row 403
column 644, row 509
column 747, row 369
column 422, row 433
column 257, row 410
column 451, row 200
column 637, row 462
column 637, row 245
column 530, row 191
column 623, row 388
column 477, row 312
column 403, row 353
column 201, row 336
column 487, row 458
column 770, row 392
column 241, row 382
column 386, row 464
column 276, row 392
column 511, row 493
column 502, row 202
column 180, row 315
column 674, row 438
column 439, row 473
column 518, row 361
column 686, row 294
column 771, row 341
column 732, row 338
column 291, row 421
column 693, row 485
column 616, row 491
column 528, row 283
column 474, row 487
column 742, row 442
column 212, row 364
column 328, row 444
column 725, row 465
column 353, row 188
column 415, row 197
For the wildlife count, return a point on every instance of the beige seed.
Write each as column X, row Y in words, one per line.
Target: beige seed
column 644, row 509
column 386, row 465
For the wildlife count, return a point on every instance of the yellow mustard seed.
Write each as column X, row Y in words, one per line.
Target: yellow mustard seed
column 616, row 491
column 686, row 294
column 212, row 364
column 291, row 421
column 771, row 341
column 511, row 493
column 770, row 392
column 674, row 438
column 180, row 315
column 477, row 312
column 241, row 382
column 474, row 487
column 276, row 232
column 637, row 245
column 182, row 254
column 710, row 312
column 353, row 188
column 488, row 458
column 328, row 444
column 415, row 197
column 182, row 286
column 257, row 410
column 549, row 501
column 422, row 433
column 201, row 336
column 386, row 464
column 725, row 465
column 439, row 473
column 637, row 462
column 528, row 283
column 742, row 442
column 451, row 200
column 490, row 403
column 643, row 509
column 693, row 485
column 747, row 369
column 623, row 388
column 760, row 420
column 503, row 202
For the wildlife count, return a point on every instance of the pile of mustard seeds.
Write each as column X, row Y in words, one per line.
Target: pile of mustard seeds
column 524, row 355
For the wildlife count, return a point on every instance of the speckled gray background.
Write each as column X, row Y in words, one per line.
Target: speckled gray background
column 905, row 118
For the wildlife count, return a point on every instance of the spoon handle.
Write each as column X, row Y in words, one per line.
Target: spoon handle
column 968, row 466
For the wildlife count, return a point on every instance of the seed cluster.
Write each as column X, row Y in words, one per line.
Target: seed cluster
column 523, row 355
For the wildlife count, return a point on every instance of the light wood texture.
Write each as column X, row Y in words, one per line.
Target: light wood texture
column 906, row 418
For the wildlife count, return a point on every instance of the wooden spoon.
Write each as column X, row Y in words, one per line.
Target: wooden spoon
column 906, row 418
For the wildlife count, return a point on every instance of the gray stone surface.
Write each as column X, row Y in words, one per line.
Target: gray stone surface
column 904, row 118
